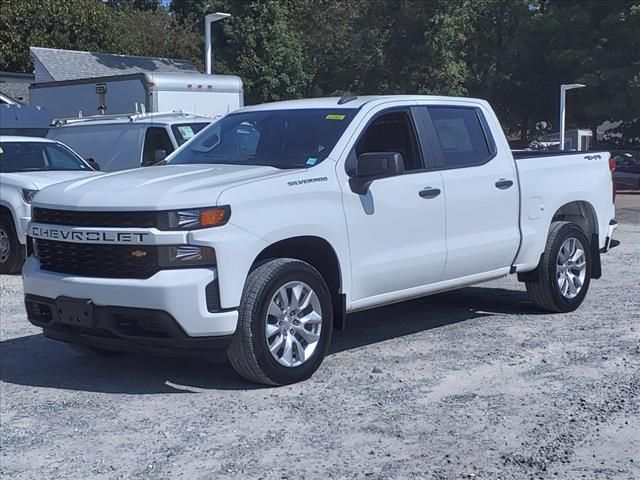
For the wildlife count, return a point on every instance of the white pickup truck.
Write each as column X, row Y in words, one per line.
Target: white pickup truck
column 268, row 227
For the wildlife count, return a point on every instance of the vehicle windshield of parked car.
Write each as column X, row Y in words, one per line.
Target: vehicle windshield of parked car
column 186, row 131
column 277, row 138
column 37, row 156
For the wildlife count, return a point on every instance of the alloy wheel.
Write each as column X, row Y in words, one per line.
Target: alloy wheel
column 294, row 324
column 571, row 267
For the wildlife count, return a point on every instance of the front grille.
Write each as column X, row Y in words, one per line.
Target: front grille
column 99, row 219
column 98, row 260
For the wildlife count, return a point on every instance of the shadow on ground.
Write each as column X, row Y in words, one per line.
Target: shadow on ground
column 39, row 362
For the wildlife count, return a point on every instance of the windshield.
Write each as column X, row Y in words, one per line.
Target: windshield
column 38, row 156
column 276, row 138
column 186, row 131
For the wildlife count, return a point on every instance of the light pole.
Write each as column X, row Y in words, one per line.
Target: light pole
column 563, row 102
column 208, row 20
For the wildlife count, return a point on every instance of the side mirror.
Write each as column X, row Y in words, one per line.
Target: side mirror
column 374, row 166
column 93, row 164
column 159, row 155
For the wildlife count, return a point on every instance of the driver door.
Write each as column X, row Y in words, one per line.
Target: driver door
column 397, row 229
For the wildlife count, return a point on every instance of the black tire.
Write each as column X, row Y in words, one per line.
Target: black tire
column 93, row 351
column 11, row 260
column 249, row 354
column 545, row 291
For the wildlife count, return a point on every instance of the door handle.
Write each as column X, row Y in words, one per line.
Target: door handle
column 429, row 192
column 503, row 184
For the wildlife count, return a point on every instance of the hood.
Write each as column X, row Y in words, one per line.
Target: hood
column 152, row 188
column 39, row 180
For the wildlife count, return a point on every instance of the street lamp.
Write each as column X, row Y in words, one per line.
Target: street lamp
column 208, row 20
column 563, row 101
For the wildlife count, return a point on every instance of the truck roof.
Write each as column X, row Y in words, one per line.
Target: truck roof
column 17, row 138
column 351, row 102
column 156, row 118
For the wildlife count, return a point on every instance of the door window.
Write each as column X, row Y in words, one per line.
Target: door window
column 155, row 139
column 392, row 132
column 461, row 136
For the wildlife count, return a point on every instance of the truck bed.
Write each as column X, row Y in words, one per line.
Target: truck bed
column 546, row 186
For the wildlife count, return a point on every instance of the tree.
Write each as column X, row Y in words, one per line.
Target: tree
column 133, row 4
column 93, row 26
column 259, row 43
column 156, row 33
column 72, row 24
column 388, row 46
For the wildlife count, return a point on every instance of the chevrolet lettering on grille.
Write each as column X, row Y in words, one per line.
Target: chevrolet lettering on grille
column 71, row 234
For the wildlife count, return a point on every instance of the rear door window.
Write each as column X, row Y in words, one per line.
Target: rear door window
column 462, row 135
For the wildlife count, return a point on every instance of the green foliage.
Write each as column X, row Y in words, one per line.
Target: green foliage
column 260, row 44
column 515, row 53
column 155, row 33
column 71, row 24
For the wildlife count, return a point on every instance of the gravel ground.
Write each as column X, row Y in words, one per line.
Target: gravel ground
column 469, row 384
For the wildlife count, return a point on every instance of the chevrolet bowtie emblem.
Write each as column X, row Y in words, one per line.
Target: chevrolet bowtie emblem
column 138, row 253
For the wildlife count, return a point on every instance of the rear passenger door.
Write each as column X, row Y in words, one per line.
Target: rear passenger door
column 481, row 191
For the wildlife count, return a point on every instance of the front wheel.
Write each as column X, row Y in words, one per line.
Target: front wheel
column 285, row 323
column 11, row 252
column 564, row 273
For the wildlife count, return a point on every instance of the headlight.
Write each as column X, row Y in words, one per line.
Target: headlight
column 195, row 218
column 186, row 256
column 28, row 195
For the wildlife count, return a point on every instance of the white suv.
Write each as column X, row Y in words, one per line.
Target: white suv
column 27, row 165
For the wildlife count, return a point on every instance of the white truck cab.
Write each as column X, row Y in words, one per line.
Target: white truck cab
column 263, row 231
column 120, row 142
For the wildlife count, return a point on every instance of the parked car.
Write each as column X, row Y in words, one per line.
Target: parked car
column 258, row 249
column 27, row 165
column 627, row 173
column 120, row 142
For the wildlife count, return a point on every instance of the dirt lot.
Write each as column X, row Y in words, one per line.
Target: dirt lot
column 469, row 384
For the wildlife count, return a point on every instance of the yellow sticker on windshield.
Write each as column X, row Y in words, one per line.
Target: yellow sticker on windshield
column 335, row 116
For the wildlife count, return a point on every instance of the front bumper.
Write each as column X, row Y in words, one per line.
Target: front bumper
column 124, row 329
column 181, row 294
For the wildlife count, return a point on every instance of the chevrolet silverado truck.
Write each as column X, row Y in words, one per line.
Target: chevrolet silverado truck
column 27, row 165
column 258, row 236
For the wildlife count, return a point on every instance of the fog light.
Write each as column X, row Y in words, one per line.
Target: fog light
column 186, row 256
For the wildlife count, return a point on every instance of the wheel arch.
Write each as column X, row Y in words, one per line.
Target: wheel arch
column 321, row 255
column 5, row 209
column 580, row 212
column 583, row 214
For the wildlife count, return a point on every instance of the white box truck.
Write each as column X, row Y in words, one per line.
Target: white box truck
column 201, row 94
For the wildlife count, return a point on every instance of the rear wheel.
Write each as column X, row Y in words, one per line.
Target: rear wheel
column 285, row 323
column 563, row 276
column 11, row 252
